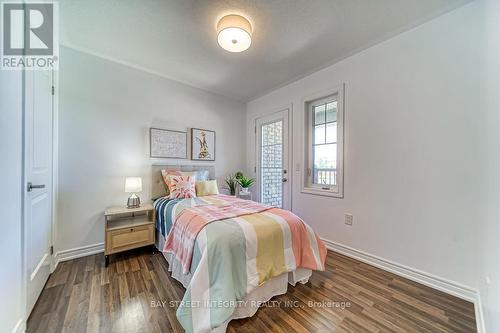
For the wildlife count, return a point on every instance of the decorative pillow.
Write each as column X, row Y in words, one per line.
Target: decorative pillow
column 167, row 174
column 208, row 187
column 201, row 175
column 182, row 187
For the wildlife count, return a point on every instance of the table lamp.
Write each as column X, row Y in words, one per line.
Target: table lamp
column 133, row 185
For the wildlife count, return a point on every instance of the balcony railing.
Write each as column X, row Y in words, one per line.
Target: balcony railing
column 325, row 176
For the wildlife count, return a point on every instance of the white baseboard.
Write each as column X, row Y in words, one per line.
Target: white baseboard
column 430, row 280
column 78, row 252
column 20, row 327
column 478, row 307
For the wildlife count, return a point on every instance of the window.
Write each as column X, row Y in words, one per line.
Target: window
column 271, row 163
column 324, row 147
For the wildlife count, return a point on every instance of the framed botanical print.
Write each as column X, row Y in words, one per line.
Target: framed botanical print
column 202, row 144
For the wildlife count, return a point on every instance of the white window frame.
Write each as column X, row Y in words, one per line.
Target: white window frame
column 307, row 179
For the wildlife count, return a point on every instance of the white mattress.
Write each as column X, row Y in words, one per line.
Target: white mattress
column 249, row 305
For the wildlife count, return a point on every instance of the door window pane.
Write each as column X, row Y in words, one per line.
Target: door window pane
column 272, row 164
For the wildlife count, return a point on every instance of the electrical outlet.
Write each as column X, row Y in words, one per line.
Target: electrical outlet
column 488, row 280
column 348, row 219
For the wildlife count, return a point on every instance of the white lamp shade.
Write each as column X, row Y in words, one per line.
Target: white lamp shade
column 234, row 33
column 133, row 184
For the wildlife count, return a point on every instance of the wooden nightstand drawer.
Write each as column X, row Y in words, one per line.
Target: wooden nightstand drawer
column 128, row 238
column 128, row 228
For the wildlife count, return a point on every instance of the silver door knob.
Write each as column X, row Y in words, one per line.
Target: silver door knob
column 30, row 186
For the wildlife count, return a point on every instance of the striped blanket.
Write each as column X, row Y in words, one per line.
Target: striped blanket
column 180, row 241
column 232, row 256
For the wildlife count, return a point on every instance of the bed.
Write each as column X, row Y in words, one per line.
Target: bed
column 241, row 256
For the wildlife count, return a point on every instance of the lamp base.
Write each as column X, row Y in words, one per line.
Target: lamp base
column 133, row 201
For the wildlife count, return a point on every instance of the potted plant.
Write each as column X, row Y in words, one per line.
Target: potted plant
column 245, row 183
column 238, row 175
column 231, row 184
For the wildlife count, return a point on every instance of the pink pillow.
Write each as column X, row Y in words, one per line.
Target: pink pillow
column 166, row 174
column 182, row 186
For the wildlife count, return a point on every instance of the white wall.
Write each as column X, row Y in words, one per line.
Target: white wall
column 105, row 112
column 410, row 148
column 11, row 311
column 490, row 170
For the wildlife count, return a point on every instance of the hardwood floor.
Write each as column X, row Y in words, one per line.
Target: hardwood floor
column 84, row 296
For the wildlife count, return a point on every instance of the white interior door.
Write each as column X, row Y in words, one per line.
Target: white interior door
column 273, row 172
column 38, row 182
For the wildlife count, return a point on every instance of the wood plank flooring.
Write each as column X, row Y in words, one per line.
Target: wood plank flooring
column 84, row 296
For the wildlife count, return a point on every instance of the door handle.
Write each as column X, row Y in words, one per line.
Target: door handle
column 284, row 179
column 30, row 186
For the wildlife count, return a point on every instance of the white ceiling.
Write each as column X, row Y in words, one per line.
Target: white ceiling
column 177, row 38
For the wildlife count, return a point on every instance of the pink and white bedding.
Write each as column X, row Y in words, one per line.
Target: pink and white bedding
column 230, row 248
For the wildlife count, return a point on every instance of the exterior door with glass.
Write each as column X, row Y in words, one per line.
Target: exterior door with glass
column 273, row 174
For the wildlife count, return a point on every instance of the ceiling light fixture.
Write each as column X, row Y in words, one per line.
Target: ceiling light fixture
column 234, row 33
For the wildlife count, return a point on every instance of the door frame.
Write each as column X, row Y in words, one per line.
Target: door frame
column 274, row 112
column 55, row 165
column 54, row 188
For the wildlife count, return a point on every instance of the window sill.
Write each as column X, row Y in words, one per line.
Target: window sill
column 320, row 192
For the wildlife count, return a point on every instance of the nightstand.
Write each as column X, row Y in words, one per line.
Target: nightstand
column 128, row 228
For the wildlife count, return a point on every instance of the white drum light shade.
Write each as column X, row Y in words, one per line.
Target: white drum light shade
column 133, row 184
column 234, row 33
